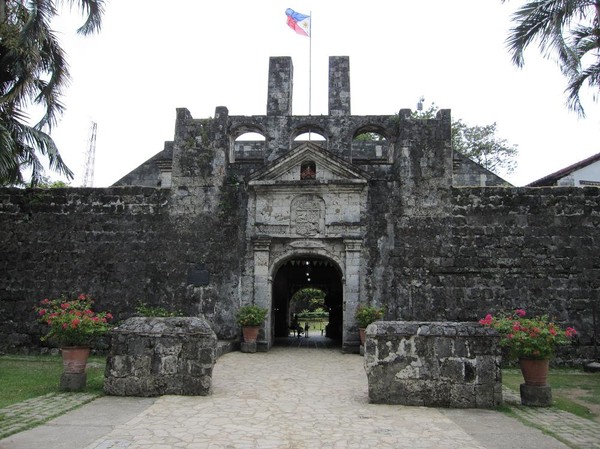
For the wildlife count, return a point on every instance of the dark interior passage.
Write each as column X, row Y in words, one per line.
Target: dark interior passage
column 308, row 271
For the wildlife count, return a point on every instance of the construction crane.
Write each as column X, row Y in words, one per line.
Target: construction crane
column 90, row 157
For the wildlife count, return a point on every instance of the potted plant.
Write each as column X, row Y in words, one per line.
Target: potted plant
column 73, row 325
column 364, row 316
column 250, row 317
column 530, row 340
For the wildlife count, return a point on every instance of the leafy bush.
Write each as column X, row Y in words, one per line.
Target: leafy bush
column 156, row 311
column 316, row 315
column 251, row 315
column 365, row 315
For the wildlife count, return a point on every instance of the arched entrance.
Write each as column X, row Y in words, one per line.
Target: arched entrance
column 301, row 272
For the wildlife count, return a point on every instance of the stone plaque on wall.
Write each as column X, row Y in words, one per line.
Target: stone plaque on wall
column 198, row 276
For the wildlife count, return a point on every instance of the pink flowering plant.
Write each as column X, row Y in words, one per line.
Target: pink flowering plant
column 72, row 322
column 529, row 338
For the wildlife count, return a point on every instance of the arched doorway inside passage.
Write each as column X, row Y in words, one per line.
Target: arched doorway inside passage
column 298, row 284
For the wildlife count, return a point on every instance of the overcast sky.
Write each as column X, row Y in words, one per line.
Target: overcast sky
column 153, row 57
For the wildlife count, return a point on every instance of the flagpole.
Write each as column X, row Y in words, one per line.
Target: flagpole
column 310, row 65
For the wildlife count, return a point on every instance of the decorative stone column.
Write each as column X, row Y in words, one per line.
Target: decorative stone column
column 262, row 289
column 351, row 340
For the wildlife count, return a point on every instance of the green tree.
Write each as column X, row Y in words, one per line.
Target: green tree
column 308, row 298
column 47, row 183
column 567, row 31
column 34, row 71
column 368, row 137
column 479, row 143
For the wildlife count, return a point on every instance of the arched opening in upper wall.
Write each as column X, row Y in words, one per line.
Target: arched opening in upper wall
column 248, row 144
column 309, row 133
column 370, row 145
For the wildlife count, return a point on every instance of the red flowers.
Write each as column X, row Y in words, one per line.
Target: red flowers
column 72, row 322
column 534, row 337
column 487, row 320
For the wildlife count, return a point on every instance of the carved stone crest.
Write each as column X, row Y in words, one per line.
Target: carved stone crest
column 307, row 215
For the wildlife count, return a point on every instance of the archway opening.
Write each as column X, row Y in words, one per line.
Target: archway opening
column 308, row 290
column 249, row 146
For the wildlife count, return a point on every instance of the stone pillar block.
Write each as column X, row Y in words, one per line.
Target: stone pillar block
column 339, row 85
column 158, row 356
column 535, row 396
column 281, row 81
column 73, row 381
column 436, row 364
column 248, row 347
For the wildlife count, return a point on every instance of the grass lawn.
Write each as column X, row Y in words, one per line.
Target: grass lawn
column 26, row 377
column 573, row 390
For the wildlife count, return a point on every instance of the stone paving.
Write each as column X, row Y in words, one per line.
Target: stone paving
column 569, row 428
column 281, row 400
column 300, row 398
column 30, row 413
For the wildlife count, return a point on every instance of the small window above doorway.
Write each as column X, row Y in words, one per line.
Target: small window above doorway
column 308, row 170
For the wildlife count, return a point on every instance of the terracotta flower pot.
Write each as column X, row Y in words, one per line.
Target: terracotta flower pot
column 535, row 372
column 361, row 334
column 250, row 333
column 75, row 359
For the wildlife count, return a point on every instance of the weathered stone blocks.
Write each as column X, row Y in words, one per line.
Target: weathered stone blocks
column 438, row 364
column 156, row 356
column 536, row 396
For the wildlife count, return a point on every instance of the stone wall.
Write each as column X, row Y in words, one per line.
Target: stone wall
column 121, row 245
column 497, row 249
column 433, row 364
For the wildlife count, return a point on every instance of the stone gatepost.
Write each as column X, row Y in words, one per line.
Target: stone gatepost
column 436, row 364
column 157, row 356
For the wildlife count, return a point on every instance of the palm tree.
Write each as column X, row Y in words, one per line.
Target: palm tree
column 33, row 71
column 568, row 30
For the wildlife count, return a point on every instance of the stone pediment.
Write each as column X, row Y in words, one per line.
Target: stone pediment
column 322, row 167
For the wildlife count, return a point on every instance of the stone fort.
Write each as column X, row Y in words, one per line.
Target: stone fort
column 214, row 222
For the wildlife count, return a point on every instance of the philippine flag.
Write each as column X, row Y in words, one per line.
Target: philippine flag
column 300, row 23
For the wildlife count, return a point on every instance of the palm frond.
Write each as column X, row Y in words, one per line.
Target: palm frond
column 591, row 76
column 33, row 69
column 567, row 30
column 94, row 10
column 585, row 39
column 8, row 166
column 50, row 93
column 542, row 22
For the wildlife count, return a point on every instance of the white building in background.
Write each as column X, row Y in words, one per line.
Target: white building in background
column 581, row 174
